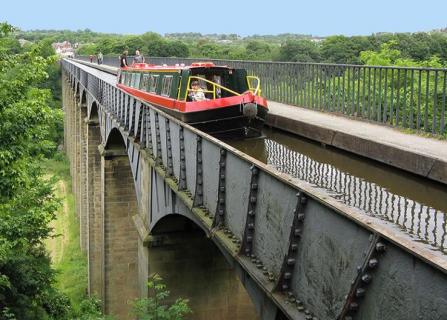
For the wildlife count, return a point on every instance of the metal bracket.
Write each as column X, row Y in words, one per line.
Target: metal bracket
column 219, row 217
column 182, row 177
column 198, row 196
column 364, row 277
column 170, row 169
column 142, row 126
column 288, row 265
column 247, row 241
column 158, row 160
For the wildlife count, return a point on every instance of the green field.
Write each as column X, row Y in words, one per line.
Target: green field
column 64, row 248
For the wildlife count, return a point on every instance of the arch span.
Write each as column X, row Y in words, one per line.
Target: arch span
column 115, row 140
column 93, row 113
column 193, row 267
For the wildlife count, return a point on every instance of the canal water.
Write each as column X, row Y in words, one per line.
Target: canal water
column 417, row 205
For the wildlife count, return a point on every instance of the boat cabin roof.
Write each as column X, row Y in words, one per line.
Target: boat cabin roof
column 164, row 67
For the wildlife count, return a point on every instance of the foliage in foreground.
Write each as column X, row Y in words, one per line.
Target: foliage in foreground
column 27, row 201
column 157, row 306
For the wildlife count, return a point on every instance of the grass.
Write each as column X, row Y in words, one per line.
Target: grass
column 67, row 258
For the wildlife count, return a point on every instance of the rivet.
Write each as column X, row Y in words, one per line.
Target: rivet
column 285, row 286
column 290, row 262
column 221, row 212
column 294, row 246
column 221, row 200
column 223, row 151
column 372, row 263
column 297, row 232
column 251, row 226
column 287, row 275
column 306, row 312
column 251, row 213
column 366, row 278
column 222, row 189
column 222, row 164
column 199, row 160
column 360, row 292
column 300, row 217
column 253, row 199
column 353, row 306
column 303, row 200
column 254, row 186
column 249, row 239
column 198, row 138
column 222, row 176
column 380, row 247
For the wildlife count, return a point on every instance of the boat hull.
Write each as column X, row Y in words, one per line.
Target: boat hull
column 228, row 122
column 239, row 116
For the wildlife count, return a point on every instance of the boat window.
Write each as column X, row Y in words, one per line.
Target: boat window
column 128, row 78
column 136, row 80
column 218, row 79
column 153, row 82
column 144, row 82
column 166, row 86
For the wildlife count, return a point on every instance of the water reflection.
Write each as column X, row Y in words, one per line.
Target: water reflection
column 417, row 206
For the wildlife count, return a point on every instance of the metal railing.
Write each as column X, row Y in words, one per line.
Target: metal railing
column 403, row 97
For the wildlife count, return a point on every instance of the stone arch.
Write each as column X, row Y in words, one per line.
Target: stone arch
column 93, row 114
column 115, row 141
column 120, row 247
column 77, row 89
column 197, row 269
column 83, row 97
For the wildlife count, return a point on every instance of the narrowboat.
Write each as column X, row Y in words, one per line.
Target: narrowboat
column 219, row 100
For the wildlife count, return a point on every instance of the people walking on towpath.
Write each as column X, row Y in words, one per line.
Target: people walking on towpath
column 100, row 57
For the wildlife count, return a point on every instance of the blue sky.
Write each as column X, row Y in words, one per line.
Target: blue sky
column 317, row 17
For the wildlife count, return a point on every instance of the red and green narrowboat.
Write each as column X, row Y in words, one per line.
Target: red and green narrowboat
column 232, row 105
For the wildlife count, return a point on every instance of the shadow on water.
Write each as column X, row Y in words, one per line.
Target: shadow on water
column 416, row 204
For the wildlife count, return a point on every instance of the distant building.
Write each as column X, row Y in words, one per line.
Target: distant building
column 24, row 42
column 63, row 49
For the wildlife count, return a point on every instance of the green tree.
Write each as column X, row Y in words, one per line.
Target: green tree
column 156, row 307
column 258, row 50
column 299, row 50
column 27, row 202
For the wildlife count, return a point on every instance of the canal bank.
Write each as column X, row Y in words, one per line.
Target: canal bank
column 425, row 157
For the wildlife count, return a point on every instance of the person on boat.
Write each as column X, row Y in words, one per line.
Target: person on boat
column 138, row 57
column 196, row 93
column 123, row 59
